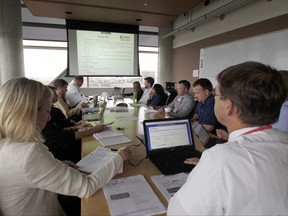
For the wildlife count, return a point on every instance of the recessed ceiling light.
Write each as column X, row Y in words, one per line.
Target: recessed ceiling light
column 145, row 4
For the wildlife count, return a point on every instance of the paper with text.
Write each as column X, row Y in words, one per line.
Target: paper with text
column 109, row 137
column 170, row 184
column 95, row 160
column 132, row 196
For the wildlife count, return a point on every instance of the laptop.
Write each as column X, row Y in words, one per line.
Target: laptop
column 204, row 136
column 168, row 143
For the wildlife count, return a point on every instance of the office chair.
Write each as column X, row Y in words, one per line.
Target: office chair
column 191, row 114
column 118, row 91
column 171, row 97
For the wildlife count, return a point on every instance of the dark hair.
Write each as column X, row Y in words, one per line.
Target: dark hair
column 204, row 83
column 138, row 85
column 59, row 82
column 284, row 74
column 80, row 78
column 185, row 83
column 159, row 89
column 150, row 80
column 257, row 91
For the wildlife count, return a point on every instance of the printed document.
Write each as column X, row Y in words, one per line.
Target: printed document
column 137, row 104
column 170, row 184
column 95, row 160
column 109, row 137
column 132, row 196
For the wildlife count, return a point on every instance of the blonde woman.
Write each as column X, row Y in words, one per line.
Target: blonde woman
column 30, row 176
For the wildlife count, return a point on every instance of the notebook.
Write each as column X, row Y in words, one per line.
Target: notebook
column 168, row 143
column 204, row 136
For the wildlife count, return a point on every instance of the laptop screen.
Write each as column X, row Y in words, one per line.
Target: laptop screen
column 167, row 133
column 200, row 132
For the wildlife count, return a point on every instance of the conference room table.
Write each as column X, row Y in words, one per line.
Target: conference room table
column 130, row 123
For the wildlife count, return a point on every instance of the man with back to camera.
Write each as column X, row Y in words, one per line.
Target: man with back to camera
column 248, row 174
column 148, row 83
column 183, row 103
column 73, row 96
column 204, row 112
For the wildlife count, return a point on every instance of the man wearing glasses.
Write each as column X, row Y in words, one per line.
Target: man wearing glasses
column 248, row 174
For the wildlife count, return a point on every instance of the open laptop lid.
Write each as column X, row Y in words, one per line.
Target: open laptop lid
column 204, row 136
column 201, row 133
column 168, row 135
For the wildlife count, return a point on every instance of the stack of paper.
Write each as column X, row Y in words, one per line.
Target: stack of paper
column 132, row 196
column 95, row 160
column 170, row 184
column 109, row 137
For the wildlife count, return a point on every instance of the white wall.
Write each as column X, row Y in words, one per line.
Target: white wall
column 256, row 11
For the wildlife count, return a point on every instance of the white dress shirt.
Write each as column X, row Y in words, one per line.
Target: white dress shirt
column 73, row 96
column 248, row 175
column 145, row 96
column 30, row 179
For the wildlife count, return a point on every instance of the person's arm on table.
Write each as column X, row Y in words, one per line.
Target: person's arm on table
column 89, row 131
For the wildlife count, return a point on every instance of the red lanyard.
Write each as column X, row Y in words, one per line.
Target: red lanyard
column 265, row 127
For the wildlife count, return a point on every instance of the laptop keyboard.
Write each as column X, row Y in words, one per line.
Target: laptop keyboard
column 174, row 163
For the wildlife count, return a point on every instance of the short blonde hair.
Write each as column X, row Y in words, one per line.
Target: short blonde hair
column 20, row 101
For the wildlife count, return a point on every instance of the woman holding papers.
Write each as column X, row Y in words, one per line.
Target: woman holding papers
column 30, row 176
column 62, row 137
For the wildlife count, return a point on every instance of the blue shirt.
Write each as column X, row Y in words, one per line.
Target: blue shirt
column 205, row 111
column 157, row 100
column 282, row 122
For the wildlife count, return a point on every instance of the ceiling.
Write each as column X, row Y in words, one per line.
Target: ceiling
column 133, row 12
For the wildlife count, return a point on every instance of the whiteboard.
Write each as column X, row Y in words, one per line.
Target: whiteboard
column 271, row 49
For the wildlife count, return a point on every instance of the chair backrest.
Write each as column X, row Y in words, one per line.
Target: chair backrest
column 191, row 114
column 118, row 91
column 171, row 97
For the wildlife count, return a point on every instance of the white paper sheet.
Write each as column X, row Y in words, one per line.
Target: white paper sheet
column 95, row 160
column 109, row 137
column 137, row 104
column 170, row 184
column 150, row 111
column 126, row 118
column 132, row 196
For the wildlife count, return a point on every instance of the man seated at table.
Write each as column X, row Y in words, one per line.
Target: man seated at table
column 74, row 96
column 247, row 175
column 148, row 83
column 71, row 113
column 137, row 92
column 183, row 103
column 204, row 113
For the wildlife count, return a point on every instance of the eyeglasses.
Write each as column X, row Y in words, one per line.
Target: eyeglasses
column 215, row 95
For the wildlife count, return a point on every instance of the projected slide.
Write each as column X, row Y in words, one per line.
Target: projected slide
column 105, row 52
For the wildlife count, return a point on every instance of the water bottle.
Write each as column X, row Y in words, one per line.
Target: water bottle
column 134, row 97
column 102, row 106
column 95, row 100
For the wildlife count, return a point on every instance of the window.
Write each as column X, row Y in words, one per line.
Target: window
column 44, row 61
